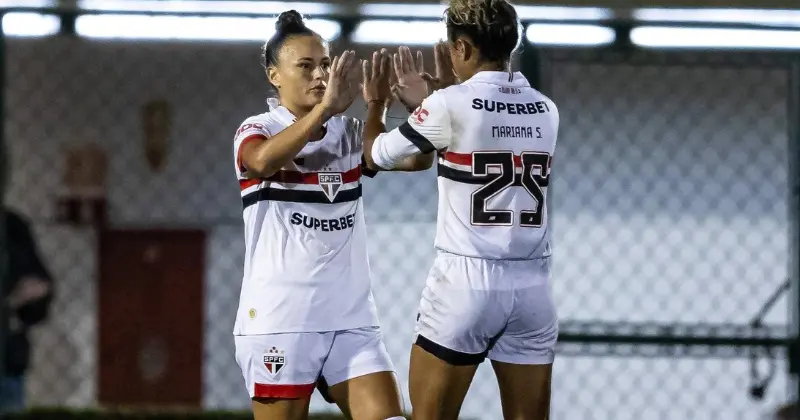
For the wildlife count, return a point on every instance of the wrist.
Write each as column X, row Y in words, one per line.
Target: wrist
column 323, row 112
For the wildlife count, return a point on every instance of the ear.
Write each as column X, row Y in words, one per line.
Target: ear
column 273, row 76
column 465, row 49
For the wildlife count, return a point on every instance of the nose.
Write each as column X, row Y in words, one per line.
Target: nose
column 320, row 73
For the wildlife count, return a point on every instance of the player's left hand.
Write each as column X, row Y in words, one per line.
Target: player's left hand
column 444, row 75
column 411, row 87
column 376, row 78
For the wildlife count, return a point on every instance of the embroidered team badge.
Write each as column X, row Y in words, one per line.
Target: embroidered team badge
column 274, row 360
column 330, row 182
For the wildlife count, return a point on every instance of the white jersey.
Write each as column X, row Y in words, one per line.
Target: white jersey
column 495, row 138
column 305, row 267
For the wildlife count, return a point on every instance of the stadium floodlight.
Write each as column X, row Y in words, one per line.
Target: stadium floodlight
column 170, row 27
column 569, row 34
column 397, row 32
column 30, row 24
column 208, row 6
column 32, row 4
column 425, row 10
column 714, row 38
column 762, row 17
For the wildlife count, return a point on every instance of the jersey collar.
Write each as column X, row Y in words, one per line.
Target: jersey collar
column 499, row 78
column 285, row 116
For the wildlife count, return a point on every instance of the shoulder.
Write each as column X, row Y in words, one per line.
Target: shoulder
column 267, row 118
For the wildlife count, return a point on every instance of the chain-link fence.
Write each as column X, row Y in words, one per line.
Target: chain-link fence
column 670, row 206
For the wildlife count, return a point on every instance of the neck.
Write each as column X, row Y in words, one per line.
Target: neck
column 297, row 111
column 504, row 66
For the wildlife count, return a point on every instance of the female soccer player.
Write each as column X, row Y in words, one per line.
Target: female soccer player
column 306, row 311
column 487, row 294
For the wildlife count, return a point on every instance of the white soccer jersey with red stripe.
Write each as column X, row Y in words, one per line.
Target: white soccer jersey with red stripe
column 305, row 266
column 495, row 138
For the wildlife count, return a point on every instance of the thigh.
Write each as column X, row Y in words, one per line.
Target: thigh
column 361, row 377
column 436, row 387
column 281, row 370
column 524, row 390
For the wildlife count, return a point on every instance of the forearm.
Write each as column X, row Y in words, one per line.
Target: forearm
column 374, row 126
column 270, row 156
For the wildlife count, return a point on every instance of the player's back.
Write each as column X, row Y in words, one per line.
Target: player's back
column 493, row 177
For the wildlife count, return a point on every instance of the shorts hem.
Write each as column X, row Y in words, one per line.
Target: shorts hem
column 282, row 391
column 448, row 355
column 363, row 370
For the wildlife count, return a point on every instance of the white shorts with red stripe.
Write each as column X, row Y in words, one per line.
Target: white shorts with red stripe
column 288, row 366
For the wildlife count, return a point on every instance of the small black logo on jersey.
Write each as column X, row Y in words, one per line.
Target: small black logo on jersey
column 330, row 182
column 300, row 161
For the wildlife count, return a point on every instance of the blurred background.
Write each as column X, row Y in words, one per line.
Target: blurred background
column 674, row 200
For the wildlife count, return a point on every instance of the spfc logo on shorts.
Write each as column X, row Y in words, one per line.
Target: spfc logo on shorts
column 330, row 182
column 274, row 360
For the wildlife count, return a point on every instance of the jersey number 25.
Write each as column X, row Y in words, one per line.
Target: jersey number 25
column 532, row 183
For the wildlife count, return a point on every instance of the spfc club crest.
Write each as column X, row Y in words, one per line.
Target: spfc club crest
column 330, row 182
column 274, row 360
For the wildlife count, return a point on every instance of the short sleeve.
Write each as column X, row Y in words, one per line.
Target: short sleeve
column 429, row 126
column 428, row 129
column 253, row 128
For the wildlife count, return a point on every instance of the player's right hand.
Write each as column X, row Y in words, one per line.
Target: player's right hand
column 343, row 83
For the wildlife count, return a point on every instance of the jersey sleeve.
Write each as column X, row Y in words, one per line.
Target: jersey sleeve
column 251, row 129
column 428, row 129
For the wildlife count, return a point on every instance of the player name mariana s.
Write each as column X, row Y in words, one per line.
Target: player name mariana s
column 516, row 132
column 325, row 225
column 529, row 108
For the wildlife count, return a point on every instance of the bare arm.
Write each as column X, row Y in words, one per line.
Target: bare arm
column 264, row 157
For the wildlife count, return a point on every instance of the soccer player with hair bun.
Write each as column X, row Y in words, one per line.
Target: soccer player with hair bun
column 306, row 314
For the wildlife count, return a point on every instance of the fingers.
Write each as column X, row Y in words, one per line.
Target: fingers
column 447, row 61
column 366, row 76
column 343, row 64
column 398, row 67
column 386, row 65
column 420, row 65
column 408, row 60
column 334, row 66
column 403, row 62
column 376, row 64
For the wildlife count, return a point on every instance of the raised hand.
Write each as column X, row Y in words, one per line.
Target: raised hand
column 443, row 64
column 411, row 87
column 377, row 78
column 342, row 88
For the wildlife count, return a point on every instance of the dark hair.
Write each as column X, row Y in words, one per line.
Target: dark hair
column 290, row 23
column 492, row 25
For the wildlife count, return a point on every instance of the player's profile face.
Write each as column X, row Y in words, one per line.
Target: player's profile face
column 302, row 71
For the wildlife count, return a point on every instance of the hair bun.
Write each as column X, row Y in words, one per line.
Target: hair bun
column 290, row 21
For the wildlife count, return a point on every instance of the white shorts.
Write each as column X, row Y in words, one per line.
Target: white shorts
column 473, row 308
column 287, row 366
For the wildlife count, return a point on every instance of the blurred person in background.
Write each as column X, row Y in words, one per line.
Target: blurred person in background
column 306, row 312
column 27, row 292
column 488, row 292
